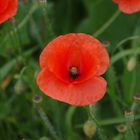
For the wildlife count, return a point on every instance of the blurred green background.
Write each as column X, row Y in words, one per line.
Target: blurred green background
column 27, row 114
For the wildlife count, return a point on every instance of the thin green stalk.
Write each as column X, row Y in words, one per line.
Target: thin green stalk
column 120, row 55
column 36, row 32
column 114, row 91
column 48, row 22
column 107, row 24
column 129, row 116
column 133, row 84
column 93, row 116
column 47, row 123
column 17, row 40
column 68, row 123
column 124, row 41
column 101, row 134
column 112, row 121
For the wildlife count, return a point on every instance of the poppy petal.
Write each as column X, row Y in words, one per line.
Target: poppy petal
column 56, row 47
column 80, row 94
column 10, row 11
column 128, row 6
column 55, row 55
column 104, row 60
column 3, row 5
column 102, row 53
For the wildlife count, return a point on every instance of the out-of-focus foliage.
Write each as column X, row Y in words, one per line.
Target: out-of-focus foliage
column 24, row 117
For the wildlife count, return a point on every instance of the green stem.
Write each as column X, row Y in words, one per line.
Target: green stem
column 125, row 40
column 107, row 24
column 133, row 85
column 92, row 115
column 116, row 120
column 47, row 123
column 101, row 134
column 112, row 121
column 120, row 55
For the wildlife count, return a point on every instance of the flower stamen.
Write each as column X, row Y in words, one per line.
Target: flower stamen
column 74, row 72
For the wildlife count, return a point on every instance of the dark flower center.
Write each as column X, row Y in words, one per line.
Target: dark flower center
column 74, row 72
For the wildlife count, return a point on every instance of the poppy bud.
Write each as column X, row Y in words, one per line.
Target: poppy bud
column 89, row 128
column 131, row 63
column 129, row 115
column 137, row 97
column 122, row 128
column 37, row 99
column 20, row 87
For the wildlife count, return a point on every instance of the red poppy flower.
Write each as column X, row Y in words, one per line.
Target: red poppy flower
column 128, row 6
column 8, row 9
column 71, row 67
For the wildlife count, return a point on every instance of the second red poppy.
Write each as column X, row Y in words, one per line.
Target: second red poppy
column 128, row 6
column 8, row 9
